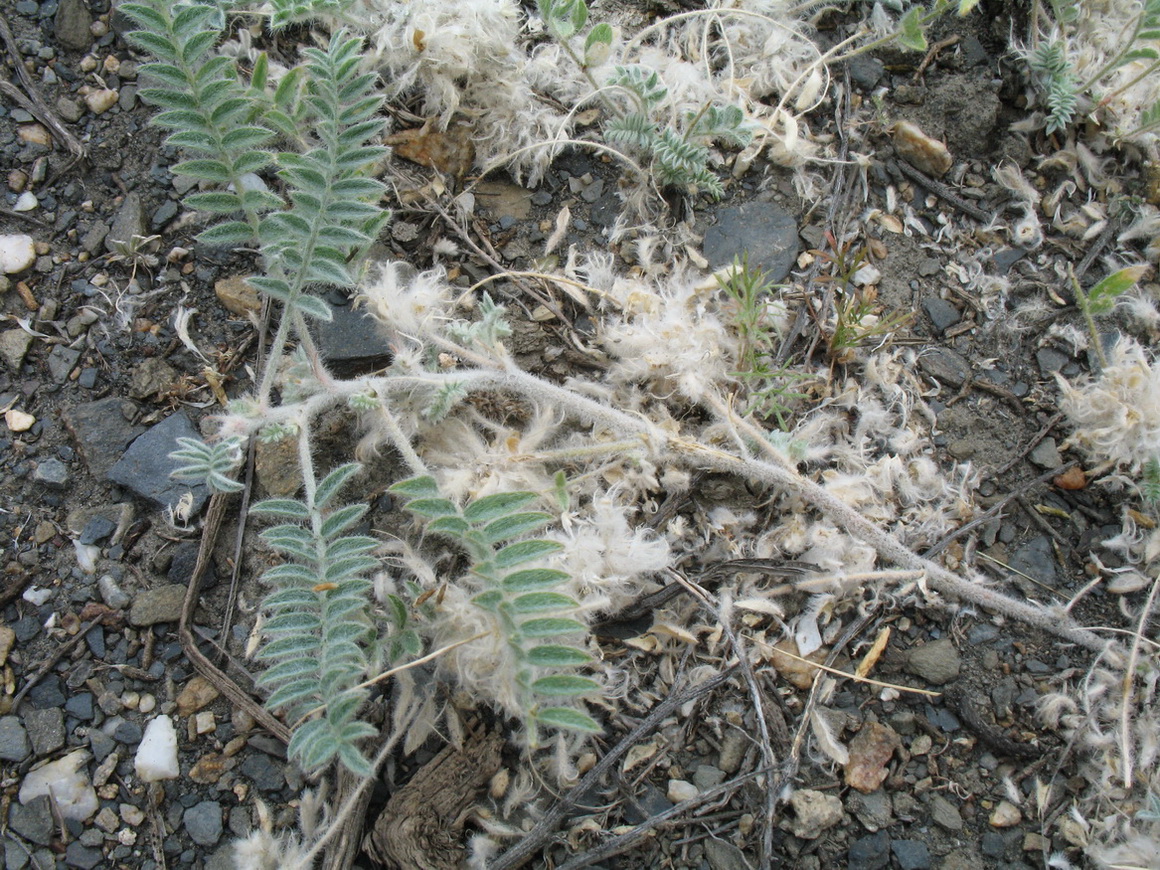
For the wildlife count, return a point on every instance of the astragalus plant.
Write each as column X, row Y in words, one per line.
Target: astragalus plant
column 539, row 485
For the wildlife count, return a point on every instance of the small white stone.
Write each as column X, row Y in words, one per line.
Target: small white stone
column 18, row 421
column 67, row 782
column 204, row 722
column 157, row 754
column 681, row 790
column 101, row 100
column 1005, row 815
column 17, row 253
column 147, row 704
column 27, row 201
column 130, row 700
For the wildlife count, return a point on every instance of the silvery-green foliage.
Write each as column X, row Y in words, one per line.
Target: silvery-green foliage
column 211, row 464
column 286, row 12
column 321, row 640
column 677, row 158
column 523, row 602
column 332, row 216
column 488, row 331
column 1056, row 79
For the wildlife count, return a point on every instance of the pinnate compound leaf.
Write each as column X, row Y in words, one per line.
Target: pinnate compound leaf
column 554, row 655
column 550, row 626
column 565, row 684
column 534, row 579
column 227, row 233
column 491, row 507
column 543, row 602
column 525, row 551
column 569, row 719
column 515, row 525
column 281, row 507
column 342, row 519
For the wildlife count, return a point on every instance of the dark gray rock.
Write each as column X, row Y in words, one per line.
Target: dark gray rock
column 261, row 770
column 160, row 604
column 865, row 71
column 981, row 634
column 762, row 230
column 870, row 853
column 168, row 209
column 61, row 362
column 993, row 845
column 85, row 857
column 352, row 343
column 936, row 662
column 81, row 706
column 128, row 222
column 102, row 432
column 1036, row 559
column 14, row 745
column 97, row 529
column 945, row 814
column 71, row 25
column 95, row 235
column 51, row 473
column 911, row 854
column 942, row 314
column 49, row 692
column 100, row 743
column 1050, row 360
column 1046, row 454
column 182, row 565
column 724, row 856
column 145, row 467
column 945, row 366
column 203, row 823
column 45, row 729
column 33, row 821
column 111, row 593
column 872, row 810
column 127, row 732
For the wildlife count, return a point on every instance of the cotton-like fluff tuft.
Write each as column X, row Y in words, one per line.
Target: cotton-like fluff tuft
column 1117, row 414
column 607, row 558
column 404, row 301
column 670, row 337
column 464, row 58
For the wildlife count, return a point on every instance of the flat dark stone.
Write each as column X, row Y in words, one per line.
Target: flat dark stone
column 102, row 433
column 353, row 343
column 145, row 467
column 764, row 231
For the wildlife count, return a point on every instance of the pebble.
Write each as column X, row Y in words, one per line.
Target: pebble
column 7, row 641
column 1046, row 454
column 911, row 854
column 870, row 853
column 161, row 604
column 872, row 810
column 681, row 790
column 101, row 100
column 46, row 730
column 814, row 813
column 196, row 694
column 72, row 25
column 937, row 662
column 146, row 466
column 1005, row 815
column 17, row 253
column 53, row 473
column 14, row 344
column 945, row 814
column 263, row 772
column 203, row 822
column 33, row 820
column 237, row 295
column 14, row 745
column 870, row 752
column 724, row 856
column 942, row 314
